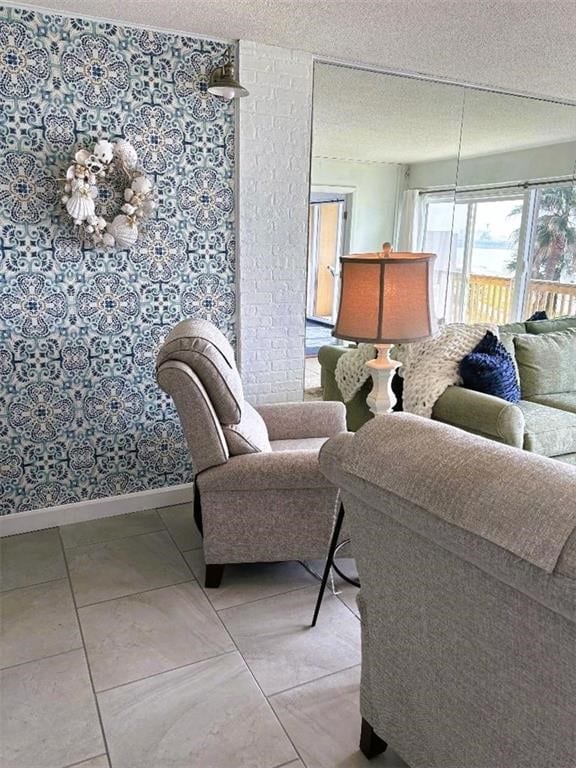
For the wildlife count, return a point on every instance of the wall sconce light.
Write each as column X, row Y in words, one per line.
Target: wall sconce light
column 223, row 83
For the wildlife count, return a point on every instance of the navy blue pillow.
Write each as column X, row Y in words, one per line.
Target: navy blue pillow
column 489, row 368
column 538, row 316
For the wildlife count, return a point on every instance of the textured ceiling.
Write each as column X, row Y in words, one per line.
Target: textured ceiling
column 372, row 117
column 520, row 45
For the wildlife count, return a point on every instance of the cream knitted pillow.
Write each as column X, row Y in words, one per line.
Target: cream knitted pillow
column 429, row 367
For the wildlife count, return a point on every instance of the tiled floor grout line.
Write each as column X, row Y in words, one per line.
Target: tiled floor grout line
column 193, row 580
column 28, row 586
column 181, row 553
column 259, row 599
column 269, row 597
column 115, row 538
column 166, row 671
column 328, row 589
column 270, row 707
column 40, row 658
column 103, row 732
column 309, row 682
column 346, row 606
column 88, row 759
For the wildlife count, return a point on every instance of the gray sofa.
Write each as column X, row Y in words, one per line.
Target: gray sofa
column 466, row 551
column 544, row 421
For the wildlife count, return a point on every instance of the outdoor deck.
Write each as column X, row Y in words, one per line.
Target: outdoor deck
column 489, row 299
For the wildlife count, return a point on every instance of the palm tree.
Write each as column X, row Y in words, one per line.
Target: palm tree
column 555, row 239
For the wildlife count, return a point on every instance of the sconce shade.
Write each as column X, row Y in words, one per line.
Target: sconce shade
column 222, row 83
column 386, row 299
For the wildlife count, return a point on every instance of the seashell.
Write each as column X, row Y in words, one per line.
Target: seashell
column 64, row 198
column 101, row 223
column 71, row 172
column 129, row 209
column 124, row 232
column 94, row 165
column 103, row 151
column 67, row 187
column 108, row 239
column 141, row 185
column 126, row 154
column 80, row 206
column 128, row 195
column 81, row 156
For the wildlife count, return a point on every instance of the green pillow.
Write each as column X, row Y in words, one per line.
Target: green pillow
column 550, row 326
column 511, row 328
column 546, row 362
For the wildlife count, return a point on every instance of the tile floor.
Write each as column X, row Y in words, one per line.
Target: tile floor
column 114, row 656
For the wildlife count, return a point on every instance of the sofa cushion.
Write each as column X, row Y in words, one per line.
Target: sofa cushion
column 550, row 326
column 250, row 435
column 511, row 328
column 546, row 363
column 489, row 368
column 565, row 401
column 206, row 350
column 548, row 431
column 303, row 444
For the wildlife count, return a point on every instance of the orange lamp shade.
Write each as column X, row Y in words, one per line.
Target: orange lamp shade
column 386, row 299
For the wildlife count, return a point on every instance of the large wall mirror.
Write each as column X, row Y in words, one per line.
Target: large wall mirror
column 484, row 180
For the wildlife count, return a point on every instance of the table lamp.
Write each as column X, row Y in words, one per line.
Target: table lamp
column 385, row 299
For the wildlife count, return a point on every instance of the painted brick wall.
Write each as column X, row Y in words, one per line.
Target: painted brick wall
column 274, row 152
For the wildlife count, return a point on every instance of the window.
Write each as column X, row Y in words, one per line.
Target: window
column 503, row 256
column 552, row 284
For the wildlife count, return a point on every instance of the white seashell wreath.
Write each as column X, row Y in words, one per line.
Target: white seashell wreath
column 81, row 193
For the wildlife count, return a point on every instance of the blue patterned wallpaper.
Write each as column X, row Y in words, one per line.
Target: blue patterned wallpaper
column 81, row 416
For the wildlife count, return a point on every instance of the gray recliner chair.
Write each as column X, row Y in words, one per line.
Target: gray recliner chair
column 259, row 494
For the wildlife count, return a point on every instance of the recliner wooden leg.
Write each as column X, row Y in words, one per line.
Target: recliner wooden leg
column 371, row 744
column 214, row 573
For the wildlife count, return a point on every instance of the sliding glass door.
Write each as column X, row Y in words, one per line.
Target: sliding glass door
column 504, row 256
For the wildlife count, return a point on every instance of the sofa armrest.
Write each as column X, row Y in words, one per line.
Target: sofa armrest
column 519, row 501
column 482, row 414
column 328, row 356
column 273, row 471
column 291, row 421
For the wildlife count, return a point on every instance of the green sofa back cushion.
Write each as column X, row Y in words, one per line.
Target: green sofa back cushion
column 550, row 326
column 546, row 362
column 510, row 328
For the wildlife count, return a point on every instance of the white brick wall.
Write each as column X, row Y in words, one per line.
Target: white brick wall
column 274, row 165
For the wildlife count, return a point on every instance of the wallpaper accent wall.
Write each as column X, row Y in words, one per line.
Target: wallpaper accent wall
column 81, row 414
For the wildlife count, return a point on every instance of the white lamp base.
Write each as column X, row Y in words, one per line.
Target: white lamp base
column 381, row 399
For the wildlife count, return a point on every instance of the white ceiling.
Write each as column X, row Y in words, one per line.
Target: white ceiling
column 373, row 117
column 520, row 45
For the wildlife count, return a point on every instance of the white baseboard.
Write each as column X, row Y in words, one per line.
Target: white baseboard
column 51, row 517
